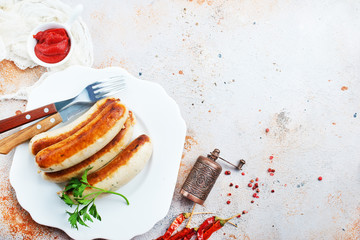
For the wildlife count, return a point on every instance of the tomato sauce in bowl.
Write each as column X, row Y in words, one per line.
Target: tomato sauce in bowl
column 53, row 45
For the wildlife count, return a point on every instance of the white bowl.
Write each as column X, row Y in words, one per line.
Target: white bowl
column 31, row 42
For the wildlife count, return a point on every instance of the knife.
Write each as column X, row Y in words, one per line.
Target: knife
column 64, row 115
column 91, row 93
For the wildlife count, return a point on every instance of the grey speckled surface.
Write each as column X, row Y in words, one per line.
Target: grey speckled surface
column 236, row 68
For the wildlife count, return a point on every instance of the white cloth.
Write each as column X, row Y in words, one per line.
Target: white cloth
column 18, row 18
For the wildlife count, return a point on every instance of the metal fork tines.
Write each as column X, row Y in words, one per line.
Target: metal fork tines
column 95, row 91
column 107, row 88
column 100, row 89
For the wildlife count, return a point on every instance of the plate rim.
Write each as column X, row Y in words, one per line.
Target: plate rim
column 160, row 215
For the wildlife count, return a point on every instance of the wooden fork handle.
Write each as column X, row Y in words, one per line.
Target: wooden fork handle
column 25, row 134
column 26, row 117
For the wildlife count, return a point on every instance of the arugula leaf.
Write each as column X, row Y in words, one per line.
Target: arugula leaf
column 77, row 187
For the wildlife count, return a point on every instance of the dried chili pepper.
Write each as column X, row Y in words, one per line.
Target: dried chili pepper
column 190, row 235
column 219, row 223
column 173, row 226
column 181, row 234
column 214, row 227
column 204, row 227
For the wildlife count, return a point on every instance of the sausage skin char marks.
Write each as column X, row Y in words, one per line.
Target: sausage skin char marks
column 99, row 159
column 46, row 139
column 124, row 167
column 86, row 141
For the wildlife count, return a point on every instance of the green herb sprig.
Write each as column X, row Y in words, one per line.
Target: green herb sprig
column 85, row 205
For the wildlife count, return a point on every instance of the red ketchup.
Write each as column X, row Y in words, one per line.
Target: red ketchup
column 53, row 45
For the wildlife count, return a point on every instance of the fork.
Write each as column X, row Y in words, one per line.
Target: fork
column 93, row 92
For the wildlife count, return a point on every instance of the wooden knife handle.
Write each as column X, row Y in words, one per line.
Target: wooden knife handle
column 25, row 134
column 26, row 117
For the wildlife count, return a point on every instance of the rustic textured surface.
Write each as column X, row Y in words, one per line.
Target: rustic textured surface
column 236, row 68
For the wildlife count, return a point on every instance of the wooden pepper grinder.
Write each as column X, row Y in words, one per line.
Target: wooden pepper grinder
column 203, row 176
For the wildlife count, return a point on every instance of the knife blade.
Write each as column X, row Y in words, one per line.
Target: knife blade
column 91, row 93
column 64, row 115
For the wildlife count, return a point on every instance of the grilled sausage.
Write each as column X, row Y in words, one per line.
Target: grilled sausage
column 49, row 138
column 123, row 167
column 85, row 142
column 99, row 159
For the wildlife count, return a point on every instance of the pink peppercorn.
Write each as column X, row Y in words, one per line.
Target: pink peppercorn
column 228, row 202
column 320, row 178
column 231, row 185
column 249, row 185
column 236, row 186
column 243, row 173
column 267, row 130
column 271, row 157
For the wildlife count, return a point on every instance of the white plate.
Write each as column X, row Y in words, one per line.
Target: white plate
column 150, row 193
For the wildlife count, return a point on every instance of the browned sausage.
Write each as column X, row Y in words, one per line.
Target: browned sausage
column 49, row 138
column 123, row 167
column 85, row 142
column 99, row 159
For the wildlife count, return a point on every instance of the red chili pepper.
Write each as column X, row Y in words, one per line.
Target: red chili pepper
column 173, row 226
column 214, row 227
column 204, row 226
column 190, row 234
column 181, row 234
